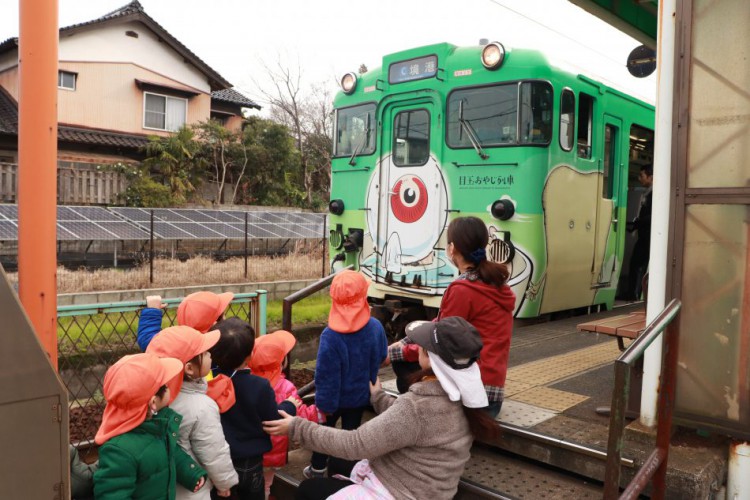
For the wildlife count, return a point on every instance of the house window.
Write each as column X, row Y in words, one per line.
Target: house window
column 66, row 80
column 162, row 112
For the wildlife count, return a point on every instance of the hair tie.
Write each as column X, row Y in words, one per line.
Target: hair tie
column 478, row 255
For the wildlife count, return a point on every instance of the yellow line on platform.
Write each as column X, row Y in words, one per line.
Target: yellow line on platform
column 526, row 382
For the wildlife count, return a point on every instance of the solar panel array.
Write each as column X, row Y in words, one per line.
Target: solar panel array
column 124, row 223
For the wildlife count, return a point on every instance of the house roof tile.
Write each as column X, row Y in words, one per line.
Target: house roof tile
column 233, row 97
column 8, row 113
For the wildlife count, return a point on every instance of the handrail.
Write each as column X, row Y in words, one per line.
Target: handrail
column 290, row 300
column 655, row 465
column 286, row 314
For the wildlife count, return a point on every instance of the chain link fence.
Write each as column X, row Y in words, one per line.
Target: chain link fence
column 93, row 337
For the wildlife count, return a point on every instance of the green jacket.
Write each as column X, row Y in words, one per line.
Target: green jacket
column 146, row 463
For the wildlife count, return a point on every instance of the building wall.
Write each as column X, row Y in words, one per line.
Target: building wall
column 107, row 97
column 9, row 81
column 111, row 44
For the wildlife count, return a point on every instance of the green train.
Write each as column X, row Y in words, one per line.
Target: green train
column 547, row 157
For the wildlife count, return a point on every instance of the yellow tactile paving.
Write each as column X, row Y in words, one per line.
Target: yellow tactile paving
column 514, row 387
column 548, row 398
column 565, row 365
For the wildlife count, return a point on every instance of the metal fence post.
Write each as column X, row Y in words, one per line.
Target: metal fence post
column 323, row 248
column 262, row 308
column 245, row 245
column 151, row 250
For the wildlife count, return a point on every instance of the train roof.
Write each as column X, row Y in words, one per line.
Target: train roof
column 462, row 66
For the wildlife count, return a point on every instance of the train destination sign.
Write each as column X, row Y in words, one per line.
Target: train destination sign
column 413, row 69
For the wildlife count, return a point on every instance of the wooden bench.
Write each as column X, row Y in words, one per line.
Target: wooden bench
column 625, row 326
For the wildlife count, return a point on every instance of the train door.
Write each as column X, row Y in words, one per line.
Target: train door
column 606, row 241
column 411, row 211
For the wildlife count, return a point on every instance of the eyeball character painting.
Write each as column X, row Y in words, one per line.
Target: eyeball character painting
column 406, row 219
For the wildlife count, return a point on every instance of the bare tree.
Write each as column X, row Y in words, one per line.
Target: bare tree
column 306, row 111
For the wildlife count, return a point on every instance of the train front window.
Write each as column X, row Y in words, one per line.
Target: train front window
column 490, row 115
column 411, row 138
column 355, row 131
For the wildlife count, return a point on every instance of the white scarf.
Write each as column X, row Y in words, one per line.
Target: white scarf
column 463, row 385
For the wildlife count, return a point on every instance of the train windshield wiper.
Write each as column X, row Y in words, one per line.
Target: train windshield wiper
column 470, row 133
column 362, row 142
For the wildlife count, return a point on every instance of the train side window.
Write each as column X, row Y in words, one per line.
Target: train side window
column 585, row 118
column 567, row 119
column 536, row 113
column 610, row 160
column 411, row 138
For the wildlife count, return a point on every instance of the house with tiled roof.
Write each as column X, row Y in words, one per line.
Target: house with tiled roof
column 122, row 77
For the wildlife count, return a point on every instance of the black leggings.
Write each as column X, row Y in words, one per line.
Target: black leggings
column 320, row 488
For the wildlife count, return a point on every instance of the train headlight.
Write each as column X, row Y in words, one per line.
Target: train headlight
column 336, row 207
column 349, row 83
column 503, row 209
column 493, row 55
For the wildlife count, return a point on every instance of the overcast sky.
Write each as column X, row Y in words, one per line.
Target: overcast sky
column 327, row 38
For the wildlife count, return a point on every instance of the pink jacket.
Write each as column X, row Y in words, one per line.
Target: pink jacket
column 283, row 389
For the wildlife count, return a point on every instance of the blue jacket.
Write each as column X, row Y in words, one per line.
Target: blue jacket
column 243, row 422
column 347, row 363
column 149, row 324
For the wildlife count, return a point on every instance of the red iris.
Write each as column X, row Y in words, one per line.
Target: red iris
column 409, row 199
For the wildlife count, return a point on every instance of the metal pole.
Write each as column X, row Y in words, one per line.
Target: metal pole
column 666, row 406
column 662, row 199
column 323, row 248
column 151, row 251
column 246, row 245
column 37, row 170
column 616, row 422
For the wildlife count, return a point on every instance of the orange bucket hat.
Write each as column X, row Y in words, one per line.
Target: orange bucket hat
column 128, row 387
column 183, row 343
column 349, row 309
column 200, row 310
column 270, row 350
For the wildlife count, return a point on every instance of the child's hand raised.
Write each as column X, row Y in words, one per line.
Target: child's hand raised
column 296, row 402
column 278, row 427
column 154, row 301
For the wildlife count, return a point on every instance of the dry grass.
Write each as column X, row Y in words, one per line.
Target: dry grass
column 193, row 272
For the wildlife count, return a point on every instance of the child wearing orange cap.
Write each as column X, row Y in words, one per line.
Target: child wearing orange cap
column 255, row 402
column 351, row 350
column 138, row 456
column 269, row 358
column 201, row 434
column 199, row 310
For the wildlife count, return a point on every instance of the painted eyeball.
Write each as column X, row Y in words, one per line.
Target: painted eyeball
column 409, row 199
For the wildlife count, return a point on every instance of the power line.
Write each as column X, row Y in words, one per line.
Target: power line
column 497, row 2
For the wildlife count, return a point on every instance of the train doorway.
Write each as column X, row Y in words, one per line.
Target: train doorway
column 641, row 153
column 411, row 199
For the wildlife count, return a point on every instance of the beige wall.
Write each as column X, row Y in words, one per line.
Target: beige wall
column 109, row 43
column 107, row 97
column 9, row 81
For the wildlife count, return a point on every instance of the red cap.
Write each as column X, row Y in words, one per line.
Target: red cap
column 200, row 310
column 269, row 352
column 183, row 343
column 129, row 385
column 349, row 310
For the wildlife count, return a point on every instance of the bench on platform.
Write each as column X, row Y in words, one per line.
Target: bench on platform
column 625, row 326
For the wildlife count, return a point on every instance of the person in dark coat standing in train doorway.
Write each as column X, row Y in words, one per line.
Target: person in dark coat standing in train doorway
column 641, row 224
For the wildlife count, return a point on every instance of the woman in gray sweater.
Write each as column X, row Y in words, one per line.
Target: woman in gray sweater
column 418, row 444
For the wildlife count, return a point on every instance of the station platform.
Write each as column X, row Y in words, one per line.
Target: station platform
column 554, row 442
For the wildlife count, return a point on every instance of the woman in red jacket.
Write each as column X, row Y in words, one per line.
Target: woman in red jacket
column 481, row 296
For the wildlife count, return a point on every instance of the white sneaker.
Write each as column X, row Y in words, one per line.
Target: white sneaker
column 310, row 473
